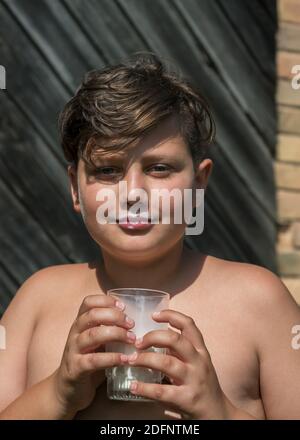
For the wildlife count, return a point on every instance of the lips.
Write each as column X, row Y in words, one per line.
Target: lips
column 136, row 223
column 136, row 220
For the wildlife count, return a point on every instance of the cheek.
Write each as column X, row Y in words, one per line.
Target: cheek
column 88, row 203
column 183, row 188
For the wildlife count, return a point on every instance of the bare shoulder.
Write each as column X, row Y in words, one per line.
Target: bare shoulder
column 253, row 286
column 253, row 278
column 53, row 273
column 42, row 285
column 269, row 317
column 57, row 283
column 64, row 273
column 52, row 277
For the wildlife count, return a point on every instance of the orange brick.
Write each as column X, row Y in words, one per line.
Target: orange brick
column 288, row 36
column 285, row 62
column 287, row 175
column 293, row 285
column 288, row 148
column 289, row 10
column 286, row 95
column 288, row 119
column 288, row 206
column 284, row 237
column 289, row 262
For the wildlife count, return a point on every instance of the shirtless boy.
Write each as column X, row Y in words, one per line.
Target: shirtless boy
column 229, row 341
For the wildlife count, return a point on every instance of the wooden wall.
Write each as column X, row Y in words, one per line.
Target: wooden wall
column 226, row 47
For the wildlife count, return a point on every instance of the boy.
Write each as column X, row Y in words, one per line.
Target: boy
column 229, row 342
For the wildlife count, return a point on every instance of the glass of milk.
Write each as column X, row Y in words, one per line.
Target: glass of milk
column 140, row 304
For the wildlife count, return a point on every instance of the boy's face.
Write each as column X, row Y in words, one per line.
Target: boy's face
column 161, row 160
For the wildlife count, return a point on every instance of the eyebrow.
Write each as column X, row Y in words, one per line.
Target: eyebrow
column 150, row 156
column 156, row 156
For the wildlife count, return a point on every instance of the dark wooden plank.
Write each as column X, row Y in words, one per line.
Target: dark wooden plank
column 256, row 29
column 233, row 217
column 42, row 184
column 59, row 41
column 25, row 246
column 270, row 7
column 8, row 285
column 30, row 80
column 245, row 222
column 106, row 27
column 238, row 72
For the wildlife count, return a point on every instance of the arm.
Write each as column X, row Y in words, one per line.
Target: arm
column 19, row 320
column 38, row 402
column 276, row 313
column 234, row 413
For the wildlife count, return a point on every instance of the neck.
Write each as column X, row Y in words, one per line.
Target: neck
column 157, row 273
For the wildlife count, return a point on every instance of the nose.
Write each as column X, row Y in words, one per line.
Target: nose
column 136, row 186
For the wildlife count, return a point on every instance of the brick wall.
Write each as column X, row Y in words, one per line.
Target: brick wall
column 287, row 163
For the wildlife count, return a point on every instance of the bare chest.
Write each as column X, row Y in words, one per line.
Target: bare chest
column 232, row 355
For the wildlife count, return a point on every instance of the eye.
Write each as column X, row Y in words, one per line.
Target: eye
column 160, row 168
column 107, row 171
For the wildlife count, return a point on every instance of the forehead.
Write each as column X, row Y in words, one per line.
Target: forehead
column 164, row 139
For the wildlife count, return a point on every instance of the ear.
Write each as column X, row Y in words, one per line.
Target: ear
column 203, row 172
column 72, row 173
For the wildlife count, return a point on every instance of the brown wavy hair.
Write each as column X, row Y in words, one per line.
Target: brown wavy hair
column 117, row 105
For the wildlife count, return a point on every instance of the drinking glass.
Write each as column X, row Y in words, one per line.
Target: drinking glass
column 140, row 304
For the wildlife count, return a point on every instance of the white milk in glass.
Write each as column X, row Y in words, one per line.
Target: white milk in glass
column 140, row 304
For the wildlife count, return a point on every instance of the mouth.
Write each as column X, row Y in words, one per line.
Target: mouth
column 134, row 220
column 137, row 223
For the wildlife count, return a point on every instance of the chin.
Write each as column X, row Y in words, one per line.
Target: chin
column 133, row 247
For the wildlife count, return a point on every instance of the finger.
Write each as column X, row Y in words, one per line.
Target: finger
column 166, row 394
column 100, row 300
column 184, row 323
column 91, row 338
column 171, row 415
column 177, row 344
column 105, row 315
column 172, row 367
column 90, row 362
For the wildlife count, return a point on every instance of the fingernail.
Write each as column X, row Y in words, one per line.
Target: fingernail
column 139, row 341
column 120, row 305
column 133, row 356
column 133, row 386
column 131, row 336
column 129, row 320
column 156, row 314
column 124, row 357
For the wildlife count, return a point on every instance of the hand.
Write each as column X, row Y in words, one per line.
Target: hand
column 81, row 371
column 194, row 389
